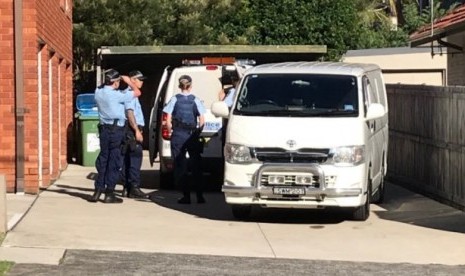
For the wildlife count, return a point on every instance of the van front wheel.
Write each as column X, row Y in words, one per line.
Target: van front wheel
column 362, row 213
column 241, row 212
column 378, row 198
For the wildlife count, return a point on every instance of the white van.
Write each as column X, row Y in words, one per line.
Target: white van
column 206, row 77
column 306, row 135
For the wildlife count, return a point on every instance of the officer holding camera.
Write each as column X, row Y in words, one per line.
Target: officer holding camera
column 186, row 119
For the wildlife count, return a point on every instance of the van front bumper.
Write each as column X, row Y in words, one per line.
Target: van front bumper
column 311, row 199
column 319, row 195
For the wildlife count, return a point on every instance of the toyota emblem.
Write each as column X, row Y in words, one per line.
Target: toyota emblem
column 291, row 143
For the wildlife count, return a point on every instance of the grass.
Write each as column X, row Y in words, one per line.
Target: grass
column 4, row 265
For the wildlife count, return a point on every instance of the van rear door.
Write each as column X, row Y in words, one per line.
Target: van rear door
column 155, row 117
column 206, row 86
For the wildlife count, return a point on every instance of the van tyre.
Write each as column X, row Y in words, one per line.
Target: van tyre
column 362, row 213
column 217, row 179
column 378, row 197
column 241, row 212
column 166, row 180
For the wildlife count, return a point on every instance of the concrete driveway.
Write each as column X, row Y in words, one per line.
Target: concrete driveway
column 408, row 228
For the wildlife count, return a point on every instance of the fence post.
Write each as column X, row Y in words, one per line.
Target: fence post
column 3, row 213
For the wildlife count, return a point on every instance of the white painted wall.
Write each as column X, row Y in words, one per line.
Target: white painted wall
column 405, row 65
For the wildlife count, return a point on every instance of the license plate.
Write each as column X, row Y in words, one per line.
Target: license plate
column 288, row 191
column 212, row 126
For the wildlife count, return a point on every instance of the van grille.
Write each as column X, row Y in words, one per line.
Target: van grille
column 279, row 155
column 290, row 181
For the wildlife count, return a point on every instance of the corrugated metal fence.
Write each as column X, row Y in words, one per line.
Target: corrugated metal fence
column 427, row 140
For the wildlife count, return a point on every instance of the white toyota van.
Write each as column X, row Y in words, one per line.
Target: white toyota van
column 206, row 74
column 306, row 135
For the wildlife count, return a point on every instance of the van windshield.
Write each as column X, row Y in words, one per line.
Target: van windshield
column 298, row 95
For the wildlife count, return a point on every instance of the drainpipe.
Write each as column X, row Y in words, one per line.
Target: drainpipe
column 19, row 94
column 432, row 17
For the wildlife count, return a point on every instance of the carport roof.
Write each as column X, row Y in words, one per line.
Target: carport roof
column 452, row 23
column 213, row 49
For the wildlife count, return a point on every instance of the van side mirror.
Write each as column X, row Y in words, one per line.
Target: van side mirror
column 375, row 111
column 220, row 109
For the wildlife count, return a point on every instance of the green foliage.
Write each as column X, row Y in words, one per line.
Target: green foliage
column 339, row 24
column 190, row 22
column 414, row 19
column 106, row 22
column 328, row 22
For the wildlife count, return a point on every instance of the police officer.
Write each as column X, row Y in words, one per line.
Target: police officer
column 133, row 144
column 110, row 103
column 186, row 119
column 227, row 95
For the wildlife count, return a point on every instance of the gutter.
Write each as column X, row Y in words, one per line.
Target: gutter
column 19, row 94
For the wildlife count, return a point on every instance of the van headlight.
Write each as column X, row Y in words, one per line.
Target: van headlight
column 237, row 154
column 347, row 156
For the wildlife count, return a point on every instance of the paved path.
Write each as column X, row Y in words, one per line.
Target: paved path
column 407, row 229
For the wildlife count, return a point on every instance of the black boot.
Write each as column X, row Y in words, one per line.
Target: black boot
column 96, row 196
column 125, row 192
column 135, row 192
column 186, row 199
column 110, row 197
column 200, row 198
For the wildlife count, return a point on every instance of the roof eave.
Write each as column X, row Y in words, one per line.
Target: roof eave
column 426, row 37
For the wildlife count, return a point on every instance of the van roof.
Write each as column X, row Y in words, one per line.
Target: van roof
column 305, row 67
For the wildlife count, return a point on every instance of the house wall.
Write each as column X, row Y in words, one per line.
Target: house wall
column 47, row 85
column 456, row 62
column 7, row 96
column 405, row 65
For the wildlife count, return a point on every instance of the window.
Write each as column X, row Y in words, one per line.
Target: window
column 298, row 95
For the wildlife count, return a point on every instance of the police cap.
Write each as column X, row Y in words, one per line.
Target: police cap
column 137, row 75
column 111, row 76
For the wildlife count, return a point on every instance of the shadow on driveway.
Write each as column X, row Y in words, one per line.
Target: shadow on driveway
column 408, row 207
column 401, row 205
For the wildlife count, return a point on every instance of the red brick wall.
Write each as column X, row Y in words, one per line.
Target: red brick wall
column 47, row 29
column 7, row 94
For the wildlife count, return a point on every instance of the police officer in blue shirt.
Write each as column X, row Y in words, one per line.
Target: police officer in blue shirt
column 186, row 119
column 110, row 103
column 133, row 144
column 227, row 95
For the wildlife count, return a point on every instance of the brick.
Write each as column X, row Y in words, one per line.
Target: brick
column 43, row 20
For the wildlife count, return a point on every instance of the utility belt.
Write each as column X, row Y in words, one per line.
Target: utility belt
column 113, row 126
column 181, row 125
column 130, row 143
column 130, row 130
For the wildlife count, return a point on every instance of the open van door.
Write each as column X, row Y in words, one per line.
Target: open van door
column 154, row 119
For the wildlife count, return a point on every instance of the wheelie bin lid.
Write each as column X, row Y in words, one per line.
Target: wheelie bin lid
column 86, row 105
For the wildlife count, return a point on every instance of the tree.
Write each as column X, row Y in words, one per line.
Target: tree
column 105, row 22
column 328, row 22
column 415, row 16
column 339, row 24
